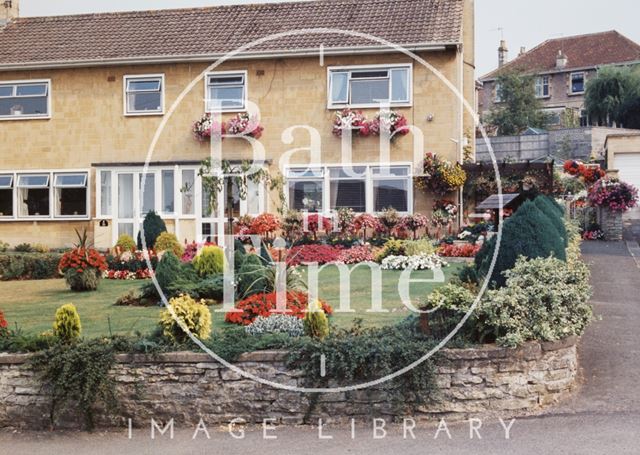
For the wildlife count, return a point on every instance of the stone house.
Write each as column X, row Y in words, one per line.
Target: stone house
column 562, row 68
column 83, row 99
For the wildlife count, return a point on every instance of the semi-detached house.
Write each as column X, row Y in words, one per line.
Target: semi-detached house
column 82, row 96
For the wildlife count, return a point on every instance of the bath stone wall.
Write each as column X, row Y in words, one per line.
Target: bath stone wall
column 188, row 386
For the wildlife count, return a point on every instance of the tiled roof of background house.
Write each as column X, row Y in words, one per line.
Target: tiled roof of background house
column 217, row 30
column 582, row 51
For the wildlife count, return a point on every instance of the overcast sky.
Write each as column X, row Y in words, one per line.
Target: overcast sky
column 524, row 22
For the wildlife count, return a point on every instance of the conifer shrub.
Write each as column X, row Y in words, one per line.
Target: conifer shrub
column 195, row 316
column 169, row 242
column 67, row 326
column 152, row 226
column 209, row 261
column 168, row 271
column 548, row 207
column 316, row 323
column 529, row 233
column 126, row 243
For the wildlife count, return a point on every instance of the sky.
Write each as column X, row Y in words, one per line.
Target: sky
column 522, row 22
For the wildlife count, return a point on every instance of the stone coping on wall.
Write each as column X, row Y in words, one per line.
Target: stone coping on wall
column 478, row 381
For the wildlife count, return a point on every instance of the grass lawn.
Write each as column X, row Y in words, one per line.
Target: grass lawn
column 32, row 304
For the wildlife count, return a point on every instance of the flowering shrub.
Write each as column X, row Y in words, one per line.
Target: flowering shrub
column 389, row 123
column 420, row 262
column 191, row 250
column 265, row 224
column 4, row 331
column 345, row 218
column 205, row 127
column 459, row 251
column 134, row 262
column 242, row 227
column 277, row 323
column 243, row 124
column 364, row 222
column 348, row 119
column 440, row 176
column 587, row 173
column 321, row 254
column 355, row 255
column 262, row 304
column 613, row 194
column 595, row 234
column 142, row 274
column 414, row 223
column 313, row 221
column 82, row 268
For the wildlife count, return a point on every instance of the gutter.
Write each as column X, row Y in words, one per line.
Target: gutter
column 310, row 52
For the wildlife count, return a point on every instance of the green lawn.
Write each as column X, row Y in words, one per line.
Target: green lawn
column 32, row 304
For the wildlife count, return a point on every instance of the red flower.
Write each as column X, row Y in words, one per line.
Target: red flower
column 265, row 224
column 262, row 304
column 305, row 254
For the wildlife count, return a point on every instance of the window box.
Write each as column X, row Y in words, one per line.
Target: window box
column 144, row 95
column 369, row 86
column 24, row 100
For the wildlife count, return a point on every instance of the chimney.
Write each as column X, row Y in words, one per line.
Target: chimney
column 561, row 61
column 503, row 54
column 8, row 11
column 523, row 50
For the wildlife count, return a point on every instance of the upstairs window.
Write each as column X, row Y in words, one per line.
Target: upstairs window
column 370, row 86
column 6, row 195
column 577, row 83
column 24, row 100
column 70, row 194
column 226, row 92
column 498, row 93
column 542, row 87
column 144, row 95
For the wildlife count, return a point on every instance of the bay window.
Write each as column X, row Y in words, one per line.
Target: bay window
column 347, row 188
column 6, row 195
column 370, row 86
column 226, row 91
column 70, row 194
column 25, row 99
column 306, row 189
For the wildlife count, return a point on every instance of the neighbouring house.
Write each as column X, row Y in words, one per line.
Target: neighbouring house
column 82, row 96
column 622, row 151
column 562, row 67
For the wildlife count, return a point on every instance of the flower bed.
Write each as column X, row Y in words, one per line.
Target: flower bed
column 264, row 304
column 130, row 265
column 419, row 262
column 467, row 250
column 313, row 253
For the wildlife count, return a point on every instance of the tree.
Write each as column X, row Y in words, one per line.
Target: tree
column 518, row 108
column 613, row 97
column 152, row 226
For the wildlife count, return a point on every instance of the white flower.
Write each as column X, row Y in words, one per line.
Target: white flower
column 419, row 262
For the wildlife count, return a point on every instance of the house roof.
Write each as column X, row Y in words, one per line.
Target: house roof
column 206, row 33
column 582, row 51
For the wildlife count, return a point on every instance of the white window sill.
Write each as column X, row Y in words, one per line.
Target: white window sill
column 144, row 114
column 576, row 93
column 25, row 117
column 366, row 106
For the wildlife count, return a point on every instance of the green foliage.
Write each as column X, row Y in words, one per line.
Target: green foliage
column 4, row 247
column 40, row 248
column 168, row 271
column 613, row 97
column 519, row 108
column 209, row 261
column 194, row 315
column 23, row 248
column 87, row 280
column 545, row 299
column 239, row 253
column 67, row 326
column 126, row 243
column 392, row 247
column 152, row 226
column 78, row 374
column 252, row 277
column 418, row 247
column 527, row 233
column 169, row 242
column 554, row 213
column 316, row 324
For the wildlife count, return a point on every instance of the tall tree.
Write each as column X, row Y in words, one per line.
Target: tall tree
column 613, row 97
column 518, row 107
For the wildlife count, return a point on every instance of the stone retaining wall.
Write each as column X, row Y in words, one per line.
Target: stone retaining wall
column 189, row 386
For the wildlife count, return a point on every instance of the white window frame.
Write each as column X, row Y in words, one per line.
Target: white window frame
column 243, row 73
column 497, row 96
column 141, row 77
column 350, row 69
column 30, row 116
column 540, row 82
column 584, row 82
column 326, row 198
column 322, row 178
column 51, row 174
column 12, row 188
column 54, row 186
column 384, row 178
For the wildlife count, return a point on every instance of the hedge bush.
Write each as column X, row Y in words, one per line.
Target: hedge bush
column 529, row 233
column 29, row 266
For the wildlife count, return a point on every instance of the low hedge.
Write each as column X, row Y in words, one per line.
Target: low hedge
column 29, row 266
